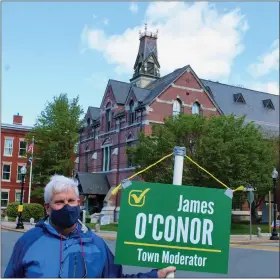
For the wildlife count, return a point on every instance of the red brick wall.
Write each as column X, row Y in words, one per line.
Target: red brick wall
column 13, row 185
column 157, row 113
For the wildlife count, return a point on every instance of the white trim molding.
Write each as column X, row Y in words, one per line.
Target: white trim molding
column 186, row 88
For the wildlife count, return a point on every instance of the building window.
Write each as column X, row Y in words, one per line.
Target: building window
column 106, row 157
column 177, row 107
column 131, row 112
column 129, row 157
column 108, row 119
column 19, row 177
column 8, row 147
column 4, row 198
column 196, row 108
column 22, row 148
column 6, row 172
column 86, row 160
column 17, row 196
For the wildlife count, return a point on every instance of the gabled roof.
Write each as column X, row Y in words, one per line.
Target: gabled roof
column 94, row 112
column 253, row 108
column 120, row 90
column 161, row 84
column 93, row 183
column 140, row 93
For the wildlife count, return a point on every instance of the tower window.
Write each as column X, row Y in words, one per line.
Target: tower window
column 150, row 68
column 196, row 108
column 177, row 107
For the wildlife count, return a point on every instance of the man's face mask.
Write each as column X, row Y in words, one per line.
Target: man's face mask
column 65, row 217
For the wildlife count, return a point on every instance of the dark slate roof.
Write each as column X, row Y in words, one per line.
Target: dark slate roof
column 253, row 108
column 93, row 183
column 120, row 90
column 94, row 112
column 140, row 93
column 159, row 85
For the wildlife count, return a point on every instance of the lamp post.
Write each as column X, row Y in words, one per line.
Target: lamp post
column 274, row 234
column 23, row 171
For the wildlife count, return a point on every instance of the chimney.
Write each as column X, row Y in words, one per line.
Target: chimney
column 17, row 119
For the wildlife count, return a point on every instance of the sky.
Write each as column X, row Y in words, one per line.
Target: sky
column 74, row 48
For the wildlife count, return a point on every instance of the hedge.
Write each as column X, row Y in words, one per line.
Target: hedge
column 30, row 210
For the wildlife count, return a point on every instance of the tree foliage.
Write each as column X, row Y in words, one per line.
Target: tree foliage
column 232, row 150
column 55, row 133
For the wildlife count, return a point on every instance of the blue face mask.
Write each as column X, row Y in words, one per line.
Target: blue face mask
column 65, row 217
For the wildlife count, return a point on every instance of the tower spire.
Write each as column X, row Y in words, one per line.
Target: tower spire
column 146, row 67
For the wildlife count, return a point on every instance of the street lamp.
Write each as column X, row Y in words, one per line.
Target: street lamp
column 23, row 171
column 274, row 234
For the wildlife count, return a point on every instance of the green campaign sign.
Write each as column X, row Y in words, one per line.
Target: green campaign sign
column 183, row 226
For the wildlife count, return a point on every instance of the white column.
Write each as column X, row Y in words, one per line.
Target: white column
column 179, row 153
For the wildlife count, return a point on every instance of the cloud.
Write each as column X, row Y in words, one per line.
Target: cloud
column 133, row 7
column 267, row 63
column 106, row 21
column 196, row 34
column 269, row 87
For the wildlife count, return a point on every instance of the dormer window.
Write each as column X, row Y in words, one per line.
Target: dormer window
column 238, row 98
column 268, row 104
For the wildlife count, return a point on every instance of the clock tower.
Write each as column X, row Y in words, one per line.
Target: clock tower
column 146, row 67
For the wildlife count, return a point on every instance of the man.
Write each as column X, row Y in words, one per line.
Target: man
column 60, row 246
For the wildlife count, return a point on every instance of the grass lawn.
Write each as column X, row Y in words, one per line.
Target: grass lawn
column 111, row 227
column 240, row 228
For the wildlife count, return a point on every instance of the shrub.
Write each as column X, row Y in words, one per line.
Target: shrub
column 30, row 210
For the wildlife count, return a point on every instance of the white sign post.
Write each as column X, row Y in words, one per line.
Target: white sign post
column 179, row 154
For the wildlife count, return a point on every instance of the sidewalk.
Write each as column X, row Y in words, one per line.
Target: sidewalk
column 109, row 235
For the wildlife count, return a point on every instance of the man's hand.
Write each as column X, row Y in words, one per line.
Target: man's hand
column 162, row 273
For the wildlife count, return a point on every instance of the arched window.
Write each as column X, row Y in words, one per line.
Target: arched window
column 131, row 112
column 196, row 108
column 177, row 107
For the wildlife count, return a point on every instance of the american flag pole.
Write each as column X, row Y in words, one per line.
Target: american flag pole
column 31, row 163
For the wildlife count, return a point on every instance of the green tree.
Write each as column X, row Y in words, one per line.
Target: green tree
column 232, row 150
column 55, row 133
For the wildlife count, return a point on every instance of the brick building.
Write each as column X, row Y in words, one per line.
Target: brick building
column 13, row 157
column 130, row 107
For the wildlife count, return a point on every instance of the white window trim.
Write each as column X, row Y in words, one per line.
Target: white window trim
column 22, row 140
column 19, row 191
column 19, row 165
column 8, row 138
column 6, row 191
column 7, row 163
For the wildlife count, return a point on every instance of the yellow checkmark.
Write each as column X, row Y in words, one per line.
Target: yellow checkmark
column 138, row 199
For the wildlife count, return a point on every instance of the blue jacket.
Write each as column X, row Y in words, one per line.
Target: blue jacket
column 43, row 252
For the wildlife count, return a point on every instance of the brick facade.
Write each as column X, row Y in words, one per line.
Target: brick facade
column 13, row 157
column 91, row 149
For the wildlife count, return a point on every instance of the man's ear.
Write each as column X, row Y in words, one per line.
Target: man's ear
column 47, row 208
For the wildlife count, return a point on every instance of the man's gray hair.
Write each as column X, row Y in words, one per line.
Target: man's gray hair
column 58, row 184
